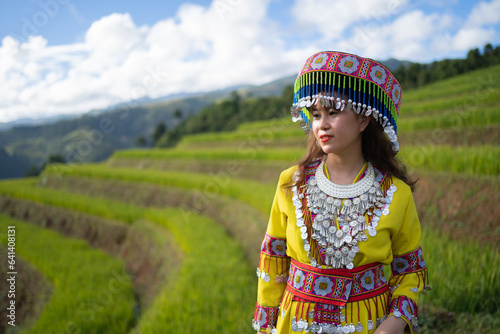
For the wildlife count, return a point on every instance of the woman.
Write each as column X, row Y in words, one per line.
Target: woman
column 343, row 212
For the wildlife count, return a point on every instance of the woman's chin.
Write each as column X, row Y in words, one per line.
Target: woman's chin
column 328, row 149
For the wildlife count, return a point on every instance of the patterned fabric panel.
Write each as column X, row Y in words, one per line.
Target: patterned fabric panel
column 273, row 246
column 404, row 307
column 265, row 318
column 315, row 285
column 327, row 314
column 368, row 281
column 408, row 263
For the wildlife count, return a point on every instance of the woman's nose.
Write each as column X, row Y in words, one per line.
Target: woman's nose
column 323, row 122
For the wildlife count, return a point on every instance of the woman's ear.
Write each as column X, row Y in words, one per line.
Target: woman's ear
column 363, row 122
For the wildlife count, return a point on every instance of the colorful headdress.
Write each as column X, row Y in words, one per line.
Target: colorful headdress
column 361, row 83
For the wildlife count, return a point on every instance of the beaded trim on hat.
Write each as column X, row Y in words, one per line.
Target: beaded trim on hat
column 346, row 80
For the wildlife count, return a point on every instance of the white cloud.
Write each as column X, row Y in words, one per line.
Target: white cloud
column 472, row 37
column 477, row 30
column 484, row 13
column 404, row 36
column 200, row 49
column 230, row 42
column 409, row 35
column 377, row 29
column 332, row 18
column 381, row 29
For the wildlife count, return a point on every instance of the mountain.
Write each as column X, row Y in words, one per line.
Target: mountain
column 34, row 121
column 95, row 135
column 9, row 164
column 393, row 64
column 273, row 88
column 91, row 137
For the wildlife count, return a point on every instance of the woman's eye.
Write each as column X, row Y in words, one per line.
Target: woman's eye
column 333, row 112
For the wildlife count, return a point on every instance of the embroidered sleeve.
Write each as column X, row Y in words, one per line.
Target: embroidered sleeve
column 272, row 271
column 405, row 308
column 411, row 262
column 265, row 318
column 409, row 274
column 409, row 278
column 273, row 254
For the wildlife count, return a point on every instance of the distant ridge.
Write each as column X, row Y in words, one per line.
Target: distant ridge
column 35, row 121
column 83, row 137
column 272, row 88
column 393, row 64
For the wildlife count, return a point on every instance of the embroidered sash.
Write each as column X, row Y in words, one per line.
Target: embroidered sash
column 336, row 286
column 329, row 286
column 331, row 289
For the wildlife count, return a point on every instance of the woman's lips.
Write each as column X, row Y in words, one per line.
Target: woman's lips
column 325, row 138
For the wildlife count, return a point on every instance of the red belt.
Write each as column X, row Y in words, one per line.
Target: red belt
column 336, row 286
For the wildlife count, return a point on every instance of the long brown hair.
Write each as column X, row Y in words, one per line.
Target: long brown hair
column 376, row 149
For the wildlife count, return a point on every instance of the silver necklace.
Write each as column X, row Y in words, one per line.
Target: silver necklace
column 340, row 211
column 344, row 191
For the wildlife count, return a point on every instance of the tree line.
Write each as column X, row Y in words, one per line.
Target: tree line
column 227, row 114
column 416, row 75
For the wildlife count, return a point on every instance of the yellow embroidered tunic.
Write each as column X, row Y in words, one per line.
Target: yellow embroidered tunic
column 396, row 243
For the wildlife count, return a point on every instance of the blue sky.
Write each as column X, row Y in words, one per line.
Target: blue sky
column 70, row 56
column 68, row 21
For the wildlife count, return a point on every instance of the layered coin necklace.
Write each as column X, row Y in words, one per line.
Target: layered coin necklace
column 338, row 215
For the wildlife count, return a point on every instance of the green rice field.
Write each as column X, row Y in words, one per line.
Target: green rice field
column 167, row 240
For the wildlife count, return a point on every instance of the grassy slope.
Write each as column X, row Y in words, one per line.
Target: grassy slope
column 450, row 106
column 106, row 298
column 203, row 276
column 219, row 208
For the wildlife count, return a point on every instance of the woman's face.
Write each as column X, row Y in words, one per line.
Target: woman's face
column 337, row 132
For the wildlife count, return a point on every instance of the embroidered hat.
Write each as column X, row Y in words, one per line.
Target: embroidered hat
column 361, row 83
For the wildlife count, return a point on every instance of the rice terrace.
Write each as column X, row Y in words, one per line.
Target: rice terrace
column 166, row 240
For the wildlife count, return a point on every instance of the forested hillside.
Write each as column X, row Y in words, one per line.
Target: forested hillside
column 89, row 137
